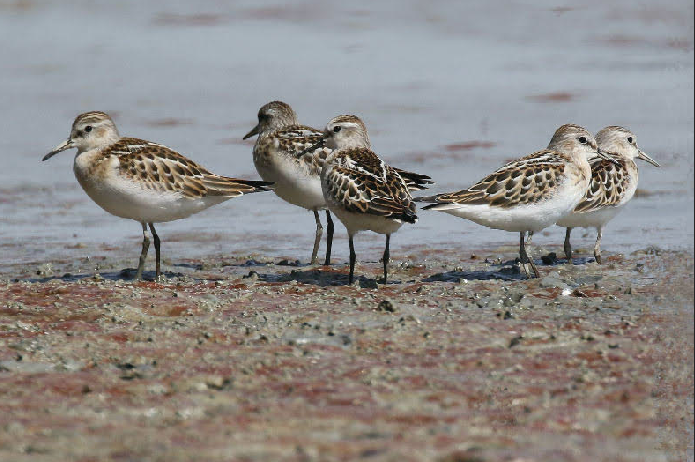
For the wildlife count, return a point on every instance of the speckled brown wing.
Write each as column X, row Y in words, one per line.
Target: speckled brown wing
column 363, row 183
column 608, row 185
column 296, row 142
column 528, row 180
column 156, row 167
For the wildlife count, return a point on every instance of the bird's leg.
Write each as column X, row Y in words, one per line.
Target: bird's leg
column 143, row 253
column 329, row 238
column 568, row 245
column 317, row 239
column 597, row 246
column 525, row 259
column 386, row 255
column 529, row 238
column 158, row 272
column 353, row 258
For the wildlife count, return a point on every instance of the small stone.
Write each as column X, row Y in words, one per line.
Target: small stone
column 516, row 296
column 286, row 262
column 386, row 305
column 214, row 382
column 253, row 275
column 550, row 259
column 45, row 270
column 553, row 280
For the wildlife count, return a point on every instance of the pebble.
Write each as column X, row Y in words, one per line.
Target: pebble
column 27, row 367
column 550, row 259
column 45, row 270
column 553, row 280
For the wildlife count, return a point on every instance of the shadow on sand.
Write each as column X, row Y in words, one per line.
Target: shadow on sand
column 127, row 274
column 319, row 277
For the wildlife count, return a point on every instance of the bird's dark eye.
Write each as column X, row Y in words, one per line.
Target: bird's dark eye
column 88, row 128
column 582, row 139
column 337, row 128
column 629, row 139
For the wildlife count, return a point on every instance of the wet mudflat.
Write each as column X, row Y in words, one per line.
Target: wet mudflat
column 254, row 358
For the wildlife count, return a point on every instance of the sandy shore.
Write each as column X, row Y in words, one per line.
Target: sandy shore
column 251, row 359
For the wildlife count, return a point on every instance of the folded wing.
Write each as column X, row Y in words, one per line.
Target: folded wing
column 528, row 180
column 363, row 183
column 157, row 167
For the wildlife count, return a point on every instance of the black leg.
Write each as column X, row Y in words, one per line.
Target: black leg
column 353, row 258
column 317, row 238
column 329, row 238
column 568, row 245
column 143, row 252
column 387, row 255
column 597, row 246
column 158, row 267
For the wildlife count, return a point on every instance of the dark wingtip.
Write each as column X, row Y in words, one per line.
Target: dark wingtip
column 410, row 218
column 408, row 214
column 261, row 185
column 425, row 199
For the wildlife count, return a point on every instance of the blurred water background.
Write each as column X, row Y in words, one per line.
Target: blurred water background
column 450, row 89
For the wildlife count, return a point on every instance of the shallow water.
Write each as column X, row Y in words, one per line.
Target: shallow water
column 448, row 89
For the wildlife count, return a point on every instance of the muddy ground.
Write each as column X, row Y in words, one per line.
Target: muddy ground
column 245, row 358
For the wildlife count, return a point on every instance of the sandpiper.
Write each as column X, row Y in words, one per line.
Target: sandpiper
column 528, row 194
column 291, row 156
column 283, row 154
column 141, row 180
column 612, row 185
column 361, row 189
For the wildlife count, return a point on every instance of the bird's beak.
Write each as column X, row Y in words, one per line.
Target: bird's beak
column 254, row 131
column 65, row 145
column 604, row 155
column 642, row 155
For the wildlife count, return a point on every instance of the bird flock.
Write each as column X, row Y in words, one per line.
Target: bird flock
column 576, row 181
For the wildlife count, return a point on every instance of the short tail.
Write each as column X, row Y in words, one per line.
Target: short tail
column 233, row 187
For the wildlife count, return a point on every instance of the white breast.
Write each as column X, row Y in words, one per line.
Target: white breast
column 294, row 182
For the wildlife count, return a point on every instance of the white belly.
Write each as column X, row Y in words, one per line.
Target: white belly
column 126, row 198
column 356, row 222
column 595, row 219
column 532, row 217
column 598, row 218
column 293, row 183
